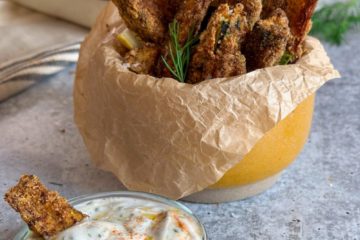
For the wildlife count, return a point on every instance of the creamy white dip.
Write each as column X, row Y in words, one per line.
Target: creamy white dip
column 124, row 218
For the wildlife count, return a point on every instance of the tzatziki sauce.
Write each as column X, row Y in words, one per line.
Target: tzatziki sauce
column 125, row 218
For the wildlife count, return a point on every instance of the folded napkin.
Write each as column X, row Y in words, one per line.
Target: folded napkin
column 34, row 46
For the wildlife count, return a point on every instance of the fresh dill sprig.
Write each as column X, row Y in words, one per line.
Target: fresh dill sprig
column 180, row 55
column 332, row 22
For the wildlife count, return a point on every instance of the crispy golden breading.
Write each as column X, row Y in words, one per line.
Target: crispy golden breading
column 252, row 8
column 142, row 60
column 233, row 38
column 218, row 53
column 216, row 3
column 205, row 51
column 266, row 44
column 143, row 17
column 299, row 13
column 45, row 212
column 228, row 58
column 189, row 17
column 169, row 8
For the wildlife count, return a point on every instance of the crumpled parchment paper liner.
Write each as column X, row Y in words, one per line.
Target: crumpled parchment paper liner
column 173, row 139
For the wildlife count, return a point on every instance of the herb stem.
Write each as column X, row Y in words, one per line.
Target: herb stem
column 179, row 55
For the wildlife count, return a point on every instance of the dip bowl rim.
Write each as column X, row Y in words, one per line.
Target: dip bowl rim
column 24, row 232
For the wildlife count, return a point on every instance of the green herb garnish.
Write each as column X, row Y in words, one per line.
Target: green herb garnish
column 287, row 58
column 180, row 55
column 333, row 21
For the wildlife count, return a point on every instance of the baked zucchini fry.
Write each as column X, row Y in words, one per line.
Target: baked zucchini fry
column 169, row 8
column 142, row 60
column 218, row 53
column 228, row 58
column 143, row 17
column 205, row 51
column 266, row 44
column 252, row 8
column 189, row 17
column 45, row 212
column 299, row 13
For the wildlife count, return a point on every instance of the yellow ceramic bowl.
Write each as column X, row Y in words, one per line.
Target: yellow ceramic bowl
column 261, row 167
column 275, row 151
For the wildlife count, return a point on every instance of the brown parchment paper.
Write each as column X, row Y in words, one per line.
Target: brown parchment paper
column 174, row 139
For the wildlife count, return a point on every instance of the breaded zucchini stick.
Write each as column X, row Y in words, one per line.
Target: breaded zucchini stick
column 228, row 58
column 252, row 8
column 205, row 50
column 266, row 44
column 218, row 53
column 45, row 212
column 142, row 60
column 189, row 17
column 299, row 13
column 143, row 17
column 169, row 8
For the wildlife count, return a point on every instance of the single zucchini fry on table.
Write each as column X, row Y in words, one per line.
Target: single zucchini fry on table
column 45, row 212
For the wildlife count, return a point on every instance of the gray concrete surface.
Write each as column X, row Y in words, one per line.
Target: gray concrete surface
column 318, row 197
